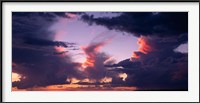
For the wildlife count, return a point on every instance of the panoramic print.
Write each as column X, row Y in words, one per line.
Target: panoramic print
column 99, row 51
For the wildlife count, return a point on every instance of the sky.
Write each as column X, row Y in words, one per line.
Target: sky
column 99, row 51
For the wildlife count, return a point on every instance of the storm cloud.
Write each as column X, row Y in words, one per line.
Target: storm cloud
column 160, row 68
column 156, row 65
column 31, row 42
column 43, row 42
column 163, row 24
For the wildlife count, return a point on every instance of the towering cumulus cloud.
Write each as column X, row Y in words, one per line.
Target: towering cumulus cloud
column 155, row 65
column 94, row 64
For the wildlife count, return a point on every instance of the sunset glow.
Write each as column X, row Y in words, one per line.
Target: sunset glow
column 144, row 47
column 99, row 51
column 123, row 76
column 15, row 77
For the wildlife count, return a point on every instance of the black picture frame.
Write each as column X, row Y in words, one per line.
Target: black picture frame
column 4, row 1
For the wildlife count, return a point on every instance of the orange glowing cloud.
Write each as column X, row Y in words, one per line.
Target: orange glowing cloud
column 87, row 80
column 123, row 76
column 90, row 52
column 77, row 87
column 106, row 80
column 16, row 89
column 135, row 55
column 75, row 80
column 88, row 63
column 144, row 47
column 16, row 77
column 72, row 80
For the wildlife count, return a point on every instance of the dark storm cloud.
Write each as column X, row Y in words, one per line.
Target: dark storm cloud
column 168, row 74
column 31, row 41
column 157, row 65
column 39, row 70
column 34, row 54
column 43, row 42
column 31, row 24
column 50, row 16
column 145, row 23
column 160, row 69
column 59, row 53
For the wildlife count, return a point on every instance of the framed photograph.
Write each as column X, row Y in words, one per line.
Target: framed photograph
column 128, row 51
